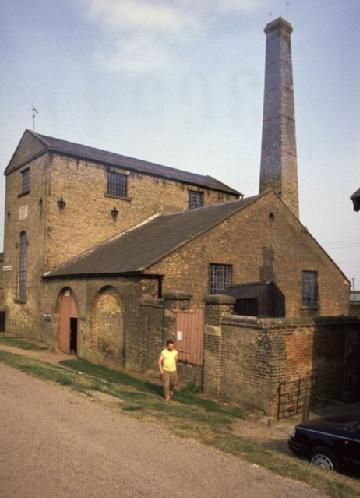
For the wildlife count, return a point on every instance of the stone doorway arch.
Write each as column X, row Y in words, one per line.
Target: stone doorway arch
column 68, row 337
column 107, row 333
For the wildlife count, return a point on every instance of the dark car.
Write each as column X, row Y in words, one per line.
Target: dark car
column 332, row 444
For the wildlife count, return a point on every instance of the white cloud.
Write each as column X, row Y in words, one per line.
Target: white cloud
column 119, row 15
column 141, row 33
column 136, row 55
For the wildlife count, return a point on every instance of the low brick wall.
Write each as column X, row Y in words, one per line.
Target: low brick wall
column 275, row 364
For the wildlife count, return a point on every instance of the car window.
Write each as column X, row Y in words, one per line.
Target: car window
column 357, row 425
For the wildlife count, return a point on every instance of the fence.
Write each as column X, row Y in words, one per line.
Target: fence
column 295, row 396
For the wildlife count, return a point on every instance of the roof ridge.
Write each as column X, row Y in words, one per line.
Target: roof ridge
column 211, row 206
column 45, row 138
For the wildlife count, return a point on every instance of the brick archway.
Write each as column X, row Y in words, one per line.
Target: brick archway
column 107, row 334
column 68, row 337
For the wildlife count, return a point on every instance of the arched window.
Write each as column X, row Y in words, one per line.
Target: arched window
column 22, row 267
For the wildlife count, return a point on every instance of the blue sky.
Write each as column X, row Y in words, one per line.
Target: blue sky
column 181, row 83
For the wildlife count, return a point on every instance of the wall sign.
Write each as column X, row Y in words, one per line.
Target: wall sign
column 23, row 212
column 179, row 335
column 7, row 268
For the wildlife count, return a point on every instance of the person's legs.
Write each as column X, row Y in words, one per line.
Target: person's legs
column 173, row 383
column 166, row 381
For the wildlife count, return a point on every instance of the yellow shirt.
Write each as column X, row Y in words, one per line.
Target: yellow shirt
column 169, row 364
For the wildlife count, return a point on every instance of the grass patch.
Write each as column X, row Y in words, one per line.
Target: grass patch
column 128, row 407
column 20, row 343
column 189, row 416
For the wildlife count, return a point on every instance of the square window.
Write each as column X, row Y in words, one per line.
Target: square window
column 309, row 289
column 196, row 199
column 117, row 184
column 220, row 278
column 25, row 181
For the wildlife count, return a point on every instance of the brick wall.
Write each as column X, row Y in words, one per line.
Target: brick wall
column 1, row 279
column 25, row 213
column 259, row 248
column 274, row 364
column 55, row 235
column 86, row 219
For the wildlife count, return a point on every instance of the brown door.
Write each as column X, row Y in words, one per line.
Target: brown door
column 68, row 334
column 190, row 335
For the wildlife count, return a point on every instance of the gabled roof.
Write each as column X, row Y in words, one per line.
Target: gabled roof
column 51, row 144
column 138, row 249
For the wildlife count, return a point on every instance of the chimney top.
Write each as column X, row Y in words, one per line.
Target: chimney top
column 279, row 24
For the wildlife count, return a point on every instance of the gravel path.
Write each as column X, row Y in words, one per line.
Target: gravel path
column 55, row 443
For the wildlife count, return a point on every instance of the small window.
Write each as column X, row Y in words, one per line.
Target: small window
column 310, row 289
column 22, row 267
column 117, row 184
column 196, row 199
column 25, row 181
column 220, row 278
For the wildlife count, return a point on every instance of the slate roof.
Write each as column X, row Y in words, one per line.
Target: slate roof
column 85, row 152
column 139, row 248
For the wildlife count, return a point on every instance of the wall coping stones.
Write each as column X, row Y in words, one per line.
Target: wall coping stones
column 177, row 296
column 152, row 302
column 276, row 323
column 219, row 299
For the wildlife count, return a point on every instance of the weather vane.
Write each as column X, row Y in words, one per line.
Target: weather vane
column 35, row 112
column 287, row 5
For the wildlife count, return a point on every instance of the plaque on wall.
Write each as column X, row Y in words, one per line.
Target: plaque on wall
column 23, row 212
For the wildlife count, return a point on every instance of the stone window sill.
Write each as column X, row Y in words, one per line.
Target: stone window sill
column 304, row 308
column 20, row 301
column 22, row 194
column 127, row 199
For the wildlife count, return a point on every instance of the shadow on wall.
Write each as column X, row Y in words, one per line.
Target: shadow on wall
column 261, row 299
column 321, row 365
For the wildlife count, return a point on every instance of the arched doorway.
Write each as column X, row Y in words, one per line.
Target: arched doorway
column 68, row 323
column 107, row 335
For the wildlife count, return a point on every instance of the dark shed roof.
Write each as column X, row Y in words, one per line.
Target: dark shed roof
column 136, row 250
column 248, row 291
column 85, row 152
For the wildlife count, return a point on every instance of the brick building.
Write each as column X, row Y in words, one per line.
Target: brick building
column 356, row 200
column 109, row 255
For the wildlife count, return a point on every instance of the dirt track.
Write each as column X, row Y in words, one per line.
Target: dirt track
column 57, row 443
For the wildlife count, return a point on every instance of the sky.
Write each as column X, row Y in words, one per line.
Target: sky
column 180, row 83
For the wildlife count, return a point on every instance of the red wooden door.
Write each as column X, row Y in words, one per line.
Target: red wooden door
column 190, row 335
column 68, row 310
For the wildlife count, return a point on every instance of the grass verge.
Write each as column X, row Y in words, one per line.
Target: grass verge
column 20, row 343
column 190, row 416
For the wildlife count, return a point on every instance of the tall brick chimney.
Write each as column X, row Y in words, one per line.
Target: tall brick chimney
column 278, row 169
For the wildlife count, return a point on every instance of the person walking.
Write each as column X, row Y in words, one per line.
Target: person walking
column 168, row 369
